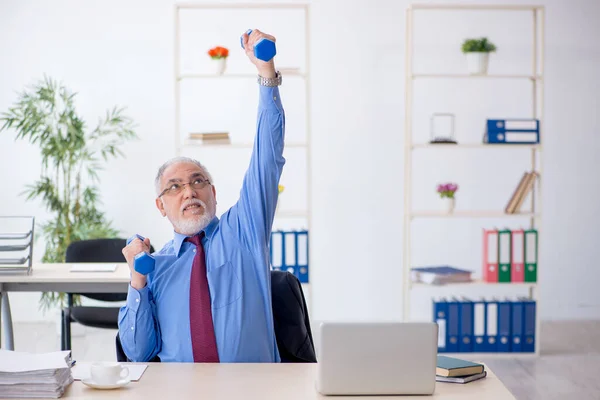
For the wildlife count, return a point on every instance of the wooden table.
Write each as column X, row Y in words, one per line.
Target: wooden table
column 259, row 381
column 57, row 278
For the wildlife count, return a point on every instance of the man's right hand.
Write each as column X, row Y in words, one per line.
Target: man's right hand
column 138, row 281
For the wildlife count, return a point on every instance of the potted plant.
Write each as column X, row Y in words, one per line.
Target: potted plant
column 71, row 156
column 478, row 51
column 446, row 192
column 219, row 55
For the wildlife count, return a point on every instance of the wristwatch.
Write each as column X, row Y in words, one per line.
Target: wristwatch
column 270, row 81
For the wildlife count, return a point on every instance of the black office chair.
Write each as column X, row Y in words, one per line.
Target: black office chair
column 93, row 251
column 290, row 314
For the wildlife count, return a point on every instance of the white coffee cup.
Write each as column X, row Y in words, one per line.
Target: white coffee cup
column 108, row 373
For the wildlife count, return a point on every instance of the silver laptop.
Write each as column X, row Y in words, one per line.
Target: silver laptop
column 377, row 358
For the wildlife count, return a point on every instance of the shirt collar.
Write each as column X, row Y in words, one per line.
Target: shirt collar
column 208, row 232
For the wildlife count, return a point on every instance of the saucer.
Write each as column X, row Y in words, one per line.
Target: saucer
column 118, row 384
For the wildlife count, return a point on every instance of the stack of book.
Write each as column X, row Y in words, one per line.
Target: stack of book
column 26, row 375
column 440, row 275
column 455, row 370
column 209, row 138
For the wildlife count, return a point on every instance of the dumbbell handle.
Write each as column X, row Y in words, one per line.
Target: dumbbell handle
column 264, row 49
column 143, row 262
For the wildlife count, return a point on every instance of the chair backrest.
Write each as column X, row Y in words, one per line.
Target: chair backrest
column 290, row 314
column 98, row 250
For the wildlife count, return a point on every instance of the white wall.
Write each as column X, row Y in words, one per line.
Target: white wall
column 121, row 53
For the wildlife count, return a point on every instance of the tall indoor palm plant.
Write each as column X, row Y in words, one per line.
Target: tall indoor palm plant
column 71, row 156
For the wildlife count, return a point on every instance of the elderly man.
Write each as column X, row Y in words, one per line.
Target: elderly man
column 209, row 296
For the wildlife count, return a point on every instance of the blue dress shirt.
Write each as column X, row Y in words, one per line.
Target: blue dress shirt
column 155, row 320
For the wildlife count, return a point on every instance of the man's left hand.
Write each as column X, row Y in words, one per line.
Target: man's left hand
column 266, row 69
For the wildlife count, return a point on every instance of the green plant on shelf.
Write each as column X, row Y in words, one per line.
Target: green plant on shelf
column 478, row 45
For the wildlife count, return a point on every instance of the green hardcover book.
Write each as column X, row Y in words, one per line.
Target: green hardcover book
column 531, row 255
column 450, row 366
column 504, row 255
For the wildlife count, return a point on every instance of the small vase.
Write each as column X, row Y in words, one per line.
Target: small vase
column 220, row 65
column 450, row 203
column 477, row 62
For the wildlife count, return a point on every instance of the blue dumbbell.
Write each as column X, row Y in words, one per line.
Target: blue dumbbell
column 264, row 49
column 144, row 261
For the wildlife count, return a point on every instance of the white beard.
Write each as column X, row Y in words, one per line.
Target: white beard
column 195, row 223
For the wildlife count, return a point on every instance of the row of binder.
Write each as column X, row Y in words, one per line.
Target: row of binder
column 512, row 131
column 485, row 326
column 510, row 255
column 289, row 252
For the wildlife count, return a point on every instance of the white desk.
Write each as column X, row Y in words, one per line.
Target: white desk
column 259, row 381
column 57, row 278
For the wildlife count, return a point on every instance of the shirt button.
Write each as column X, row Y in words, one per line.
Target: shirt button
column 137, row 300
column 275, row 98
column 194, row 250
column 132, row 328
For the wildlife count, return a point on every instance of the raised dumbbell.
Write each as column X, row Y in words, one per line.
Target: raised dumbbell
column 264, row 49
column 144, row 261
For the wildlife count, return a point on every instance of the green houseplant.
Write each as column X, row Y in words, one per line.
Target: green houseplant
column 477, row 51
column 71, row 156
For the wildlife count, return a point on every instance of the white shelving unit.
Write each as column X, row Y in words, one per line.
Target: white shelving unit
column 302, row 72
column 533, row 215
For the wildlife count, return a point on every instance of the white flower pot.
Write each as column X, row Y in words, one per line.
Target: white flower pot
column 449, row 203
column 477, row 62
column 220, row 65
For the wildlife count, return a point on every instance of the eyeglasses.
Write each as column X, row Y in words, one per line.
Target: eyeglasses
column 176, row 188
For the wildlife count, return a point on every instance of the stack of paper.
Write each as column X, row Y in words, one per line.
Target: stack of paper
column 26, row 375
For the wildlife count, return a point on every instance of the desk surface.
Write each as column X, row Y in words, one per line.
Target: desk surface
column 259, row 381
column 61, row 273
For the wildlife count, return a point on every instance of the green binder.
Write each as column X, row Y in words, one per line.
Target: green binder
column 504, row 255
column 531, row 255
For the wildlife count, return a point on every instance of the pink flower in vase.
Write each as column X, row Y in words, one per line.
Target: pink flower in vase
column 447, row 190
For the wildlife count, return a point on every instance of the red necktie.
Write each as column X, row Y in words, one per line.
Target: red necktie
column 204, row 344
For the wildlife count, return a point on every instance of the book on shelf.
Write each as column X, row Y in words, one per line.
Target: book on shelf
column 518, row 197
column 210, row 137
column 440, row 275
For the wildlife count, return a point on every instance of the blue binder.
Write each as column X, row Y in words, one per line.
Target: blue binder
column 453, row 338
column 293, row 256
column 466, row 326
column 479, row 326
column 513, row 131
column 301, row 240
column 504, row 328
column 529, row 325
column 491, row 326
column 440, row 317
column 517, row 326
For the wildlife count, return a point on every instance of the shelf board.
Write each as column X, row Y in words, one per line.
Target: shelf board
column 476, row 283
column 470, row 214
column 445, row 146
column 284, row 72
column 486, row 76
column 240, row 145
